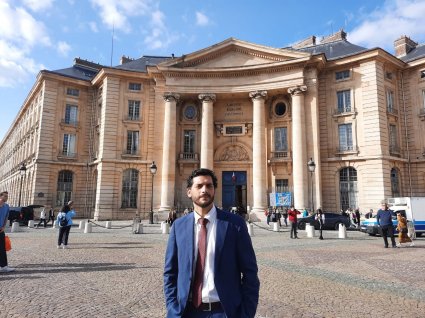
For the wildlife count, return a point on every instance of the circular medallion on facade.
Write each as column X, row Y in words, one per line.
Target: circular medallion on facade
column 190, row 112
column 280, row 109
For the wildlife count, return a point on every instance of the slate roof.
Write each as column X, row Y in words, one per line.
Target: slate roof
column 140, row 65
column 77, row 72
column 416, row 53
column 334, row 50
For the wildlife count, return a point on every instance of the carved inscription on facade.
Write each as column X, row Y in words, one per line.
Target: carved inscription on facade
column 233, row 110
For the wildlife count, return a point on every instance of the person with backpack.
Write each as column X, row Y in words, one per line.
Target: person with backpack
column 65, row 221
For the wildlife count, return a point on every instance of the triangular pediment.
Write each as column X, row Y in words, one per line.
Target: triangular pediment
column 233, row 54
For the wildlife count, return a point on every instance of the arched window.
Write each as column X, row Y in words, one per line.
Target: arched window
column 129, row 188
column 395, row 183
column 348, row 188
column 64, row 187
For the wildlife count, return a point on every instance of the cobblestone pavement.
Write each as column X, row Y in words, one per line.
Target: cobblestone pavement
column 114, row 273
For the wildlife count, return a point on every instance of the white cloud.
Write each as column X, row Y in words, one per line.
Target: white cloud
column 38, row 5
column 201, row 19
column 115, row 13
column 63, row 48
column 381, row 27
column 19, row 34
column 159, row 37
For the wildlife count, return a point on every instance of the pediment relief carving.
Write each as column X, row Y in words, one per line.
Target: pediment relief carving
column 233, row 53
column 233, row 152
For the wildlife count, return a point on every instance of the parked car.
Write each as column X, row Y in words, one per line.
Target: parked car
column 332, row 221
column 22, row 214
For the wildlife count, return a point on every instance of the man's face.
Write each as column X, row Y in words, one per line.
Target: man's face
column 4, row 197
column 202, row 191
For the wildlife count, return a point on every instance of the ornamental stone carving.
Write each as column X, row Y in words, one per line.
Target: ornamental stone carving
column 297, row 90
column 170, row 97
column 234, row 153
column 258, row 94
column 207, row 97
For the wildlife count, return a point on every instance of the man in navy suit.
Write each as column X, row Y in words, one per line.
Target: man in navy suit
column 222, row 255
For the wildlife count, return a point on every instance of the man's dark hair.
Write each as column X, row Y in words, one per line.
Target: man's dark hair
column 3, row 193
column 65, row 208
column 201, row 172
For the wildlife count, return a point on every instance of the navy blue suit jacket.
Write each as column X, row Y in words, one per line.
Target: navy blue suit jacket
column 235, row 266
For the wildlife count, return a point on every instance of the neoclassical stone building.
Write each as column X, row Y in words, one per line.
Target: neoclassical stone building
column 253, row 114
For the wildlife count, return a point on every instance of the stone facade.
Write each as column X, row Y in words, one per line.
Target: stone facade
column 253, row 114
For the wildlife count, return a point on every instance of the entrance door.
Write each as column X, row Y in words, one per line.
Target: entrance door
column 234, row 189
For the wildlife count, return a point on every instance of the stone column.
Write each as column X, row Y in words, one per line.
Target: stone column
column 299, row 148
column 169, row 152
column 207, row 132
column 259, row 156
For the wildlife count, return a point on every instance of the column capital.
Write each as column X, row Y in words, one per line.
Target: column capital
column 169, row 97
column 258, row 94
column 207, row 97
column 297, row 90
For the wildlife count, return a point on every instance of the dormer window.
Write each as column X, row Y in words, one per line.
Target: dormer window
column 342, row 75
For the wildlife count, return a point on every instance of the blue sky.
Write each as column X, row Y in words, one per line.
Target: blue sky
column 49, row 34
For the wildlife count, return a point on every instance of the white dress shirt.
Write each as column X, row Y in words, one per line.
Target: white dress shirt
column 209, row 292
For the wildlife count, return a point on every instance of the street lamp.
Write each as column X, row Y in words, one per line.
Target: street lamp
column 311, row 167
column 22, row 171
column 153, row 169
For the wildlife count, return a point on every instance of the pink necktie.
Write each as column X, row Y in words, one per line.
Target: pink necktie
column 200, row 264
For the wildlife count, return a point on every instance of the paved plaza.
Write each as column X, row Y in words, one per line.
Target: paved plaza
column 114, row 273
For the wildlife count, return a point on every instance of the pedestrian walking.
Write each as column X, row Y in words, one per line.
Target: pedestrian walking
column 285, row 216
column 357, row 213
column 4, row 214
column 216, row 245
column 320, row 217
column 293, row 216
column 385, row 223
column 65, row 221
column 403, row 236
column 51, row 216
column 42, row 218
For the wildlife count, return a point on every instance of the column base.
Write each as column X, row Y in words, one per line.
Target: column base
column 257, row 214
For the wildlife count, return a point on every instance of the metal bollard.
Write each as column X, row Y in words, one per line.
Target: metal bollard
column 310, row 230
column 87, row 228
column 342, row 232
column 15, row 227
column 165, row 228
column 108, row 224
column 82, row 224
column 31, row 223
column 250, row 229
column 275, row 226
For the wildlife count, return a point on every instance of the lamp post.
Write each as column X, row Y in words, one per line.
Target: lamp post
column 311, row 167
column 22, row 171
column 153, row 169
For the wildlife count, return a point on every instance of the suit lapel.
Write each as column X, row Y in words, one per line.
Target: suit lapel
column 222, row 224
column 188, row 239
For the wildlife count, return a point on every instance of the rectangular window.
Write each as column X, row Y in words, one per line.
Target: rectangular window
column 135, row 86
column 68, row 146
column 282, row 185
column 345, row 137
column 390, row 101
column 133, row 110
column 423, row 74
column 280, row 139
column 72, row 92
column 393, row 138
column 342, row 75
column 132, row 142
column 71, row 114
column 344, row 101
column 189, row 142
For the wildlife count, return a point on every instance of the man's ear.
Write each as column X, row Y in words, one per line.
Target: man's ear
column 188, row 192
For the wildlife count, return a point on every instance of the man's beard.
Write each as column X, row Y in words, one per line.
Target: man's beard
column 204, row 204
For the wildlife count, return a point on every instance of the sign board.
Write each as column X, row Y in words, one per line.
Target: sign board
column 280, row 199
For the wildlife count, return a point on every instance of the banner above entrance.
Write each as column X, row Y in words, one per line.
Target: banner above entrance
column 280, row 199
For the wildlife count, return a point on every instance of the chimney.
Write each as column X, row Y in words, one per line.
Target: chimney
column 125, row 59
column 338, row 36
column 310, row 41
column 404, row 45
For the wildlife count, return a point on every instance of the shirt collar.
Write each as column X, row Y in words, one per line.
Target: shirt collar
column 211, row 215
